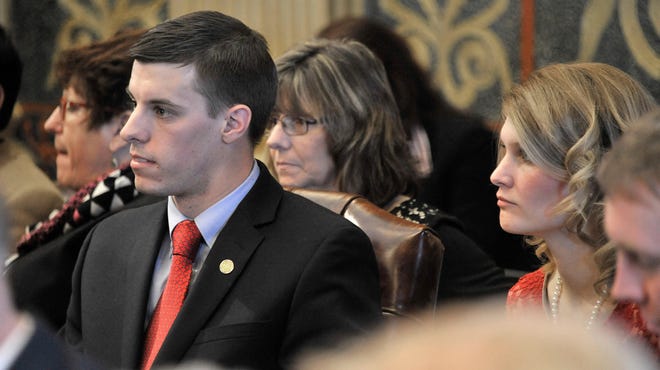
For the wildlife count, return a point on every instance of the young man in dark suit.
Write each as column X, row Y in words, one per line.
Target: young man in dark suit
column 274, row 273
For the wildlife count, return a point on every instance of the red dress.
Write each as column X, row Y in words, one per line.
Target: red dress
column 528, row 293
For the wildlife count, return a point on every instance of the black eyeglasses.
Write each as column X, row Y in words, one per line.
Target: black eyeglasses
column 67, row 106
column 292, row 126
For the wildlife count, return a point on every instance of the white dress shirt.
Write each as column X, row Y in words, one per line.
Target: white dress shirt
column 210, row 222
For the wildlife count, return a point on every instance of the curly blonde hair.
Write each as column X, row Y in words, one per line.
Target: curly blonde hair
column 633, row 161
column 566, row 117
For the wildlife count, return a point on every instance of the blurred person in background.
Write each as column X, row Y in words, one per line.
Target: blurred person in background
column 29, row 194
column 467, row 337
column 630, row 179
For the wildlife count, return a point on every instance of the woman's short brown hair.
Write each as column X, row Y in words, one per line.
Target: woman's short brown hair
column 100, row 72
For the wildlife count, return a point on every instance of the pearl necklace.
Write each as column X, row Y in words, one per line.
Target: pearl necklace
column 554, row 305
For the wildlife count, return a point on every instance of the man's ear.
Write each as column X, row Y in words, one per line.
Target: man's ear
column 238, row 122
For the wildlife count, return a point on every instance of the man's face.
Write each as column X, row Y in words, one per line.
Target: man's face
column 176, row 148
column 634, row 225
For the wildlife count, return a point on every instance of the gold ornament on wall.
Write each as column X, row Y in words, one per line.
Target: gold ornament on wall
column 464, row 54
column 99, row 19
column 597, row 16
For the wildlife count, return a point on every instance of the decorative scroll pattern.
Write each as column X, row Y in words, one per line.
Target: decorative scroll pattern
column 466, row 55
column 644, row 48
column 99, row 19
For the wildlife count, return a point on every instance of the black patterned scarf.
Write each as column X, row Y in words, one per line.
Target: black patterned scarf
column 102, row 196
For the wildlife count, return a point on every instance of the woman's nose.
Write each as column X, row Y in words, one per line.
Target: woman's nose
column 500, row 177
column 277, row 138
column 54, row 121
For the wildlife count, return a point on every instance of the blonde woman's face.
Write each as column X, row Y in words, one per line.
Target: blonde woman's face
column 526, row 194
column 302, row 161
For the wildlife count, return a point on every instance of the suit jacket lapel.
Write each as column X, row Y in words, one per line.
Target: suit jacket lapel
column 141, row 256
column 236, row 242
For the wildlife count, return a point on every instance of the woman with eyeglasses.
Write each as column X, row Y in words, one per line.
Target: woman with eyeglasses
column 336, row 127
column 92, row 165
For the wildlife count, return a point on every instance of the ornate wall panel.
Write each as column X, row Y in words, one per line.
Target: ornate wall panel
column 476, row 49
column 41, row 29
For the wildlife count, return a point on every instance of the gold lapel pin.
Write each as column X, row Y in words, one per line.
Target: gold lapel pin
column 226, row 266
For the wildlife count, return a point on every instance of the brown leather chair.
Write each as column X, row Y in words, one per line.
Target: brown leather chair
column 409, row 255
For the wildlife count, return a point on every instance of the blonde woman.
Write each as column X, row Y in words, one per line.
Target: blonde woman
column 558, row 124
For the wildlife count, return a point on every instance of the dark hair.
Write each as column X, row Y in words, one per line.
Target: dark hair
column 418, row 100
column 100, row 72
column 11, row 69
column 344, row 85
column 231, row 60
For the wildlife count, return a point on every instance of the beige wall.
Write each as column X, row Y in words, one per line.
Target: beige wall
column 283, row 22
column 4, row 13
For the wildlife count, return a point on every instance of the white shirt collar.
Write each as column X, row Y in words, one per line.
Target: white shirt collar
column 211, row 221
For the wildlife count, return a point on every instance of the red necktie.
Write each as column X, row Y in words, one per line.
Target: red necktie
column 185, row 242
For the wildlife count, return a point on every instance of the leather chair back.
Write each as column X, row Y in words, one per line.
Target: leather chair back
column 409, row 255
